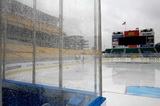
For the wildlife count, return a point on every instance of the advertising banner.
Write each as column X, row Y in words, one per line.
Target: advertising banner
column 115, row 43
column 147, row 45
column 117, row 36
column 114, row 40
column 150, row 39
column 131, row 33
column 147, row 32
column 132, row 46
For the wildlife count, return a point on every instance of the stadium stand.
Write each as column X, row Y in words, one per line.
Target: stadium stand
column 133, row 50
column 147, row 50
column 19, row 36
column 17, row 51
column 158, row 50
column 12, row 56
column 18, row 48
column 117, row 50
column 157, row 47
column 108, row 51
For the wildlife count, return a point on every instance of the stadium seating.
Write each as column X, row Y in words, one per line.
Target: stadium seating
column 17, row 51
column 132, row 50
column 158, row 50
column 18, row 48
column 147, row 50
column 26, row 23
column 108, row 51
column 117, row 50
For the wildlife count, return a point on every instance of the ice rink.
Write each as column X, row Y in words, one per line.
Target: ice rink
column 116, row 78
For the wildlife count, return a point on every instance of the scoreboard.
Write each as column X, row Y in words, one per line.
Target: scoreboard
column 133, row 38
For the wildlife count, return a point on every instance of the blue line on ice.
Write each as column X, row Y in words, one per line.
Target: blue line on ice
column 143, row 91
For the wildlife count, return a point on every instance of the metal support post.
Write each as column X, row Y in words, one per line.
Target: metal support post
column 100, row 48
column 34, row 42
column 4, row 45
column 95, row 46
column 61, row 43
column 1, row 62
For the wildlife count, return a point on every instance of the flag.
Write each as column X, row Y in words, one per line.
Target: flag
column 124, row 23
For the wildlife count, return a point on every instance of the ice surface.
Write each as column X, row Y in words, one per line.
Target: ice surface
column 116, row 77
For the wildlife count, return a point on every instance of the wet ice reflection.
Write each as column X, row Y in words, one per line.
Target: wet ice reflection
column 117, row 76
column 78, row 75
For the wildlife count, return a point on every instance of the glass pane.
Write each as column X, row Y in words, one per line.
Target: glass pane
column 79, row 44
column 47, row 42
column 17, row 41
column 49, row 54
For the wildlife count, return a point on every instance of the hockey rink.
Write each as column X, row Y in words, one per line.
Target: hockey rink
column 116, row 78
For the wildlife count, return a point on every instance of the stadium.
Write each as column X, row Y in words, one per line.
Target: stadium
column 133, row 46
column 50, row 55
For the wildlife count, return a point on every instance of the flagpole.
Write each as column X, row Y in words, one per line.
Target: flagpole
column 124, row 23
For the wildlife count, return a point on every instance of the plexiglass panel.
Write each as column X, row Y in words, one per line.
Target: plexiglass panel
column 79, row 43
column 47, row 43
column 17, row 22
column 49, row 48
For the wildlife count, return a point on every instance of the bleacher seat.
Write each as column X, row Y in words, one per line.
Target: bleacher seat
column 147, row 50
column 118, row 51
column 132, row 50
column 108, row 51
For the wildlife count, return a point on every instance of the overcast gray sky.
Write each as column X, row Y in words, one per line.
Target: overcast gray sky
column 137, row 14
column 78, row 16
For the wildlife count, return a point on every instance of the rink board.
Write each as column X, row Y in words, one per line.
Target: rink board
column 138, row 60
column 21, row 94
